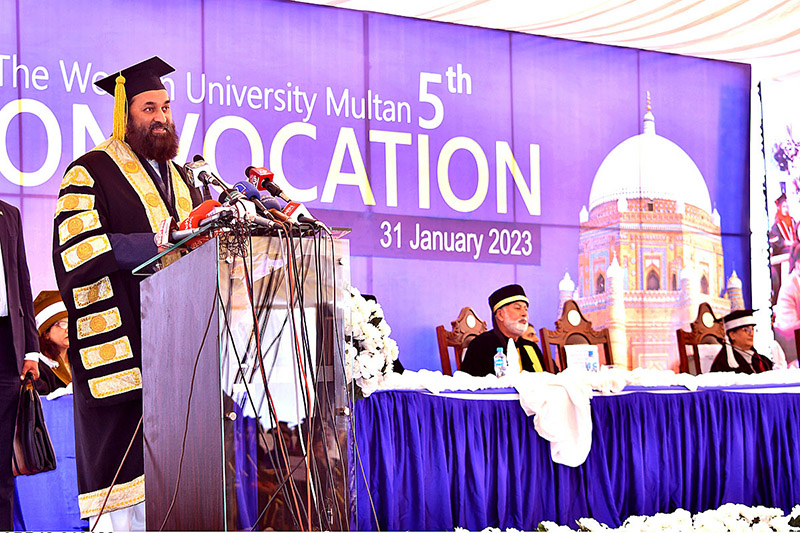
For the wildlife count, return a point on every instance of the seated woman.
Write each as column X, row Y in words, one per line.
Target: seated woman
column 739, row 355
column 51, row 320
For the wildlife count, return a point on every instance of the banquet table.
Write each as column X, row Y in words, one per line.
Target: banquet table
column 474, row 460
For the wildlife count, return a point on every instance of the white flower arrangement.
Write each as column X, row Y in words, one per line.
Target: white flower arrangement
column 731, row 517
column 369, row 352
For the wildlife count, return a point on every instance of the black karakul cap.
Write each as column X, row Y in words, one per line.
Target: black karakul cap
column 141, row 77
column 506, row 295
column 738, row 319
column 781, row 199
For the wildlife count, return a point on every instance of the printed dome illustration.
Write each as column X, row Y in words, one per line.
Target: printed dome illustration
column 649, row 166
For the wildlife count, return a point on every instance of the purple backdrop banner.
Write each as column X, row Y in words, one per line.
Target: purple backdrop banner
column 461, row 157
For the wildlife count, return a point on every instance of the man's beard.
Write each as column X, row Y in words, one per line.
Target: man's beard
column 517, row 327
column 159, row 147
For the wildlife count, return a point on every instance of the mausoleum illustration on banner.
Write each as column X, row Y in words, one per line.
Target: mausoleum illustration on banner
column 650, row 250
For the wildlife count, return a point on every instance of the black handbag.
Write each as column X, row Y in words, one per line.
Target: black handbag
column 33, row 450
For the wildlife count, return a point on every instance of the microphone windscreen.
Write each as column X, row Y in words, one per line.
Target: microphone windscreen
column 247, row 171
column 248, row 189
column 197, row 214
column 197, row 157
column 270, row 202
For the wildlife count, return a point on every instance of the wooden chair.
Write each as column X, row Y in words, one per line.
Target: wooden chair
column 465, row 328
column 705, row 330
column 573, row 328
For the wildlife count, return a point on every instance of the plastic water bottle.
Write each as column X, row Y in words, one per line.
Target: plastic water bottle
column 500, row 364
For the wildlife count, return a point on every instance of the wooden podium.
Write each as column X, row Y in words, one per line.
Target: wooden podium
column 207, row 413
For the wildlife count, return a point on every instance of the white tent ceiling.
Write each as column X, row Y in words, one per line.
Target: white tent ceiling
column 764, row 33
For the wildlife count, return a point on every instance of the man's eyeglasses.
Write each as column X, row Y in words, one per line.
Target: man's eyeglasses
column 748, row 329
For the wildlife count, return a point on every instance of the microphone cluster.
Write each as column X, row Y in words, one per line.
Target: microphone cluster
column 254, row 200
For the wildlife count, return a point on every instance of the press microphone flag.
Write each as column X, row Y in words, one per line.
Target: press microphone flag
column 297, row 212
column 197, row 214
column 259, row 176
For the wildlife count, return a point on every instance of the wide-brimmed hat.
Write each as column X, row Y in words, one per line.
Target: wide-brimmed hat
column 49, row 309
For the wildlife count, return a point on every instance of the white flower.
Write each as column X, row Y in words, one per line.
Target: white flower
column 552, row 526
column 372, row 352
column 780, row 523
column 370, row 331
column 355, row 330
column 390, row 350
column 634, row 523
column 795, row 511
column 590, row 524
column 369, row 346
column 350, row 352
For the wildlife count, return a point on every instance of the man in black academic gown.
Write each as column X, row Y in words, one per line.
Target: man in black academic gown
column 111, row 203
column 510, row 320
column 739, row 355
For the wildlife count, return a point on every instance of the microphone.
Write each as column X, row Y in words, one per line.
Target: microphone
column 270, row 202
column 274, row 190
column 274, row 208
column 201, row 174
column 197, row 214
column 263, row 179
column 193, row 221
column 297, row 212
column 230, row 197
column 251, row 193
column 259, row 176
column 241, row 206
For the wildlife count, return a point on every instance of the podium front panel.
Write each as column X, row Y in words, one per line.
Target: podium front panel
column 254, row 456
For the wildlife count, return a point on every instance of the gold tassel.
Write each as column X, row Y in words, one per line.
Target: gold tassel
column 120, row 109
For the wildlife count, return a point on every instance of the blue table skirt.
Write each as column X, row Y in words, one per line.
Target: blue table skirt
column 436, row 463
column 49, row 501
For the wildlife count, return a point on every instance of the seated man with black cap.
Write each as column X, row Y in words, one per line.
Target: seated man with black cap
column 738, row 355
column 111, row 203
column 510, row 320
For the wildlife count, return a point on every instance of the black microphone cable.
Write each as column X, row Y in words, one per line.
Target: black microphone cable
column 295, row 298
column 281, row 443
column 326, row 313
column 314, row 422
column 249, row 288
column 351, row 411
column 317, row 423
column 321, row 397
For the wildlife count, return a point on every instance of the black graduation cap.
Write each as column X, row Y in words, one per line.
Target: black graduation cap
column 127, row 83
column 506, row 295
column 141, row 77
column 738, row 319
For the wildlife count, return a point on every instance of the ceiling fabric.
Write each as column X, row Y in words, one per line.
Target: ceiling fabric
column 764, row 33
